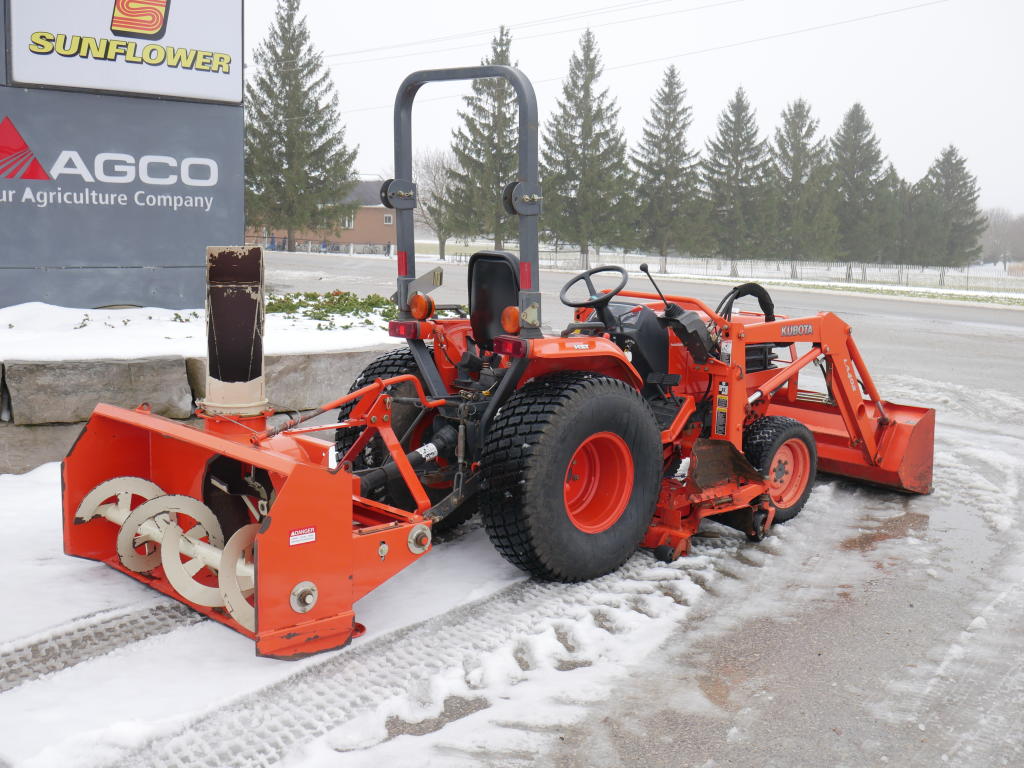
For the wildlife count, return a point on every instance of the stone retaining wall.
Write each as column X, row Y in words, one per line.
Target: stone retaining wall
column 44, row 404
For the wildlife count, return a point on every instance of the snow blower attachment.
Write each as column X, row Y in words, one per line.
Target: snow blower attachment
column 252, row 530
column 645, row 415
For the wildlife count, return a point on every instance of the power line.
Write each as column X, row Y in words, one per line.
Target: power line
column 700, row 51
column 543, row 34
column 521, row 25
column 490, row 30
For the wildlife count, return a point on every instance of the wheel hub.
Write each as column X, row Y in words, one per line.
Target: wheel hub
column 598, row 482
column 789, row 473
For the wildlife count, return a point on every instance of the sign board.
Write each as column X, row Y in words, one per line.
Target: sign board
column 3, row 44
column 112, row 200
column 185, row 49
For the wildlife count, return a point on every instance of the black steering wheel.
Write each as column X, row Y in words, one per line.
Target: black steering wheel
column 597, row 299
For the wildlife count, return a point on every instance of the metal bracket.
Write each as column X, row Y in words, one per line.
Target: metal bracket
column 523, row 198
column 398, row 194
column 425, row 283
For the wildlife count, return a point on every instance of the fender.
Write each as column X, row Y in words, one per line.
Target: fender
column 581, row 353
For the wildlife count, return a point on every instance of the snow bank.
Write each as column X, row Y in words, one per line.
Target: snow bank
column 37, row 331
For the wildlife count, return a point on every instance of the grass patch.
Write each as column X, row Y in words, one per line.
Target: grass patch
column 334, row 310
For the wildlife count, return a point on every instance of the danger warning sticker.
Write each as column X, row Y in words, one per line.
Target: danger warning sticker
column 302, row 536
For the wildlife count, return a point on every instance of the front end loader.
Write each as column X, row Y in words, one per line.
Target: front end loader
column 643, row 416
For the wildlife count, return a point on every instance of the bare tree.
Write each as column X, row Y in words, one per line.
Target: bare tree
column 1003, row 241
column 434, row 186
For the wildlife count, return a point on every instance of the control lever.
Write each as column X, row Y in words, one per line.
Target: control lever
column 671, row 310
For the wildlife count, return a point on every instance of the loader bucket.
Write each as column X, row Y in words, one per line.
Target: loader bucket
column 905, row 445
column 265, row 538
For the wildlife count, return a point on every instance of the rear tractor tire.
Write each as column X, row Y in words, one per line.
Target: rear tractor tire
column 783, row 450
column 572, row 468
column 397, row 362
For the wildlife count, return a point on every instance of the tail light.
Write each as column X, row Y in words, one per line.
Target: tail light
column 511, row 346
column 410, row 329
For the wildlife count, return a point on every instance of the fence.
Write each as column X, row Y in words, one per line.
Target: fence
column 321, row 246
column 979, row 277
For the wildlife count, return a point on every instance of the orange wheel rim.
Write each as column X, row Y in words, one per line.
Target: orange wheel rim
column 598, row 482
column 789, row 472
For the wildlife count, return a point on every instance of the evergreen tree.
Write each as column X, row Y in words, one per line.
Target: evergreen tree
column 954, row 193
column 587, row 187
column 435, row 208
column 857, row 168
column 666, row 171
column 485, row 151
column 736, row 174
column 298, row 169
column 894, row 219
column 807, row 225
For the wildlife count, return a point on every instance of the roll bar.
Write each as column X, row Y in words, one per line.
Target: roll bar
column 521, row 196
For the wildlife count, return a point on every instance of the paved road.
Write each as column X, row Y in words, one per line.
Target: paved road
column 887, row 631
column 962, row 342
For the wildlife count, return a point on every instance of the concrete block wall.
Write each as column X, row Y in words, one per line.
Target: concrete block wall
column 44, row 405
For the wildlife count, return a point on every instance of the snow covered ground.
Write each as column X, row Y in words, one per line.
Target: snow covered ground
column 37, row 331
column 467, row 663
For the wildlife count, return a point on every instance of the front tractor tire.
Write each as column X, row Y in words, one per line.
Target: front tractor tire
column 784, row 451
column 572, row 468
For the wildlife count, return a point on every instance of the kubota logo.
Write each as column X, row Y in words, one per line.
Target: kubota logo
column 17, row 161
column 145, row 19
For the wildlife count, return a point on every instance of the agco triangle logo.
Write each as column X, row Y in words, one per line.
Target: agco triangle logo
column 17, row 161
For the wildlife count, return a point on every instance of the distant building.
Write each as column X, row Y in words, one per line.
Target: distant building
column 370, row 230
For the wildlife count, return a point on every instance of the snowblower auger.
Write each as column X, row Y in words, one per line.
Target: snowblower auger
column 642, row 417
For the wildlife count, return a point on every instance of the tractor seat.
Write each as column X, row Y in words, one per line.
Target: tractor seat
column 493, row 285
column 649, row 340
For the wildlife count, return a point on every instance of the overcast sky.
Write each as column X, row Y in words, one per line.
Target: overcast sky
column 937, row 73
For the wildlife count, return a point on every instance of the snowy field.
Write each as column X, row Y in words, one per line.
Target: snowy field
column 467, row 663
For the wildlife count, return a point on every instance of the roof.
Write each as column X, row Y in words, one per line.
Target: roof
column 366, row 192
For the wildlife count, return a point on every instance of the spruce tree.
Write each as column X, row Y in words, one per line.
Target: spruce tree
column 807, row 226
column 894, row 219
column 857, row 171
column 298, row 169
column 485, row 151
column 586, row 178
column 736, row 174
column 665, row 171
column 954, row 190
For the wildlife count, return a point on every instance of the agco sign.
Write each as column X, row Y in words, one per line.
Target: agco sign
column 19, row 162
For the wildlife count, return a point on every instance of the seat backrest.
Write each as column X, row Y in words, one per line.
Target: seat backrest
column 493, row 285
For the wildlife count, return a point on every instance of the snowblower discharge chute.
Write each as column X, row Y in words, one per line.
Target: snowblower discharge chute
column 625, row 429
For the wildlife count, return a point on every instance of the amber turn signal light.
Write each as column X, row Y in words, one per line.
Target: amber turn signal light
column 510, row 320
column 421, row 306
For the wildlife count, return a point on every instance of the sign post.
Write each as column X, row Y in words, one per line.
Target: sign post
column 121, row 137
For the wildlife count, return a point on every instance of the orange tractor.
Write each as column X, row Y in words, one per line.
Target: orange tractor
column 645, row 415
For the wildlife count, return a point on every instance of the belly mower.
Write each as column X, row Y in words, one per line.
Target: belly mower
column 645, row 415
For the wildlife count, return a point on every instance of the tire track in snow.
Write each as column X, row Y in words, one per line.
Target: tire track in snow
column 968, row 700
column 86, row 638
column 544, row 623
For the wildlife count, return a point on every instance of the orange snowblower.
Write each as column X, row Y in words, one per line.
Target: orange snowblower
column 643, row 416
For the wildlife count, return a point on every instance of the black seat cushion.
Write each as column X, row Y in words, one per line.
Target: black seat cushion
column 493, row 285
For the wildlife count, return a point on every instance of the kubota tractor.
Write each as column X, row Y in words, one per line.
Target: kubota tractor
column 625, row 429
